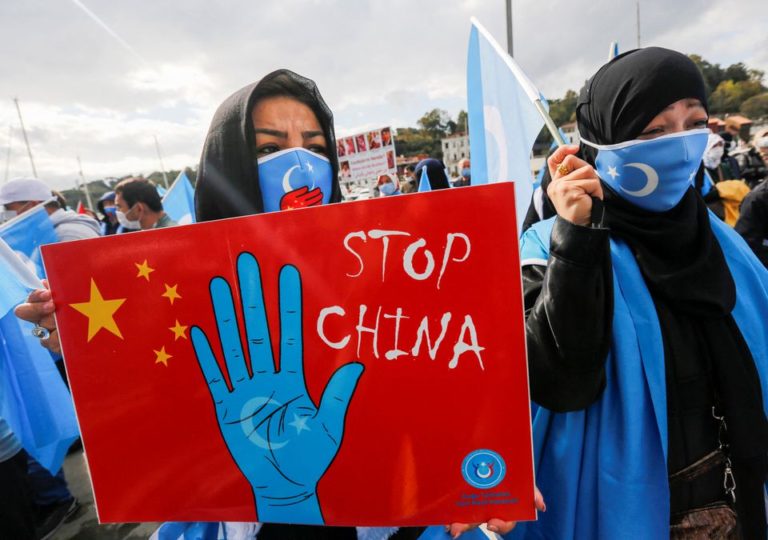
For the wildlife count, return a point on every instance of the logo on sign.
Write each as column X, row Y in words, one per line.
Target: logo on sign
column 483, row 469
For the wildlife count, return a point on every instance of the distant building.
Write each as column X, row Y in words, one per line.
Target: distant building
column 455, row 148
column 571, row 133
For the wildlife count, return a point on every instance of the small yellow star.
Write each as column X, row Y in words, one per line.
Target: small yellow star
column 179, row 331
column 144, row 270
column 171, row 293
column 100, row 312
column 161, row 357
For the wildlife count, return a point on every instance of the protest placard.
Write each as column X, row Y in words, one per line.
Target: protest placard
column 365, row 156
column 359, row 363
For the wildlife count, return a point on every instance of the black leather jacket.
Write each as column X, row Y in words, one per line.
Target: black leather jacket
column 568, row 309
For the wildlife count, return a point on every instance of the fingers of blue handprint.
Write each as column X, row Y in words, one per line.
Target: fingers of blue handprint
column 291, row 357
column 256, row 327
column 208, row 365
column 229, row 333
column 336, row 397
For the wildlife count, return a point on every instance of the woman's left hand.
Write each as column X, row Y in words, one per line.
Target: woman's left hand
column 496, row 525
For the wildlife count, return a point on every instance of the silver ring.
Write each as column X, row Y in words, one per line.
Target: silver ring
column 40, row 332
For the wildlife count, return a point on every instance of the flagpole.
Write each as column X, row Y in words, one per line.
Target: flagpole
column 85, row 184
column 510, row 41
column 8, row 154
column 160, row 157
column 24, row 131
column 551, row 127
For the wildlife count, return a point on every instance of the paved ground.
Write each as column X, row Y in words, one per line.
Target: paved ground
column 84, row 525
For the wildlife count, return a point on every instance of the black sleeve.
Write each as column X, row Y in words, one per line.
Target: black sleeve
column 753, row 222
column 568, row 309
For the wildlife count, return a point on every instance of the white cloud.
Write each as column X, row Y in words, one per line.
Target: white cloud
column 377, row 63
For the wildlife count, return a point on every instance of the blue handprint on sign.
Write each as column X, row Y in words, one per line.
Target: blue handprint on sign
column 281, row 441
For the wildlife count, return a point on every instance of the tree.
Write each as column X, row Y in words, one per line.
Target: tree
column 756, row 106
column 462, row 122
column 435, row 123
column 729, row 95
column 563, row 110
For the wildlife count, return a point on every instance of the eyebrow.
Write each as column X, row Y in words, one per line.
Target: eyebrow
column 691, row 104
column 284, row 134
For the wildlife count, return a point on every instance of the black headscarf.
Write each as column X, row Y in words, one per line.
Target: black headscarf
column 227, row 180
column 684, row 267
column 676, row 249
column 435, row 173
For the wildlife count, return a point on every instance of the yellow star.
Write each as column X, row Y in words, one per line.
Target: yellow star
column 100, row 312
column 161, row 357
column 179, row 331
column 144, row 270
column 171, row 293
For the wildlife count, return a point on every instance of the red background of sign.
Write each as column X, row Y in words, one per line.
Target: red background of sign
column 150, row 432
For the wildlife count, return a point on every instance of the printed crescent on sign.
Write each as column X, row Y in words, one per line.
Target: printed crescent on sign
column 256, row 368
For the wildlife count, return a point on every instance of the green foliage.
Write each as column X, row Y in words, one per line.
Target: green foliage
column 730, row 95
column 425, row 139
column 728, row 88
column 756, row 106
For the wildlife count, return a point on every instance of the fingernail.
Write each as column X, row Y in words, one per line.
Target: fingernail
column 49, row 306
column 492, row 528
column 543, row 507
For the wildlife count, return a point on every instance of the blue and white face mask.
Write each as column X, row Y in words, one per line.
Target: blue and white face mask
column 652, row 174
column 294, row 178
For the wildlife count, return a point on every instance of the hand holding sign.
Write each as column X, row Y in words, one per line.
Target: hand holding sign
column 280, row 440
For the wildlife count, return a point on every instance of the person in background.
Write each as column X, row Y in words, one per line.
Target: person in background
column 435, row 172
column 388, row 186
column 409, row 183
column 107, row 208
column 22, row 194
column 139, row 206
column 465, row 177
column 753, row 221
column 751, row 164
column 17, row 518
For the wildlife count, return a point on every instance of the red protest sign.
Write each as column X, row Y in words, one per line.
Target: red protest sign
column 360, row 363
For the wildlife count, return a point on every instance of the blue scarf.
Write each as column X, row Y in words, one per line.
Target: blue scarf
column 603, row 470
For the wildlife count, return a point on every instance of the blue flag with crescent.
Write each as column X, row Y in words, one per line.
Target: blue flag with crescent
column 26, row 233
column 179, row 200
column 33, row 398
column 503, row 120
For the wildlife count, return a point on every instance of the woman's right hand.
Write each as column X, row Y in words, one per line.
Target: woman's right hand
column 38, row 309
column 571, row 193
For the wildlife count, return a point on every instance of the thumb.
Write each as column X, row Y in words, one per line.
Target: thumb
column 336, row 397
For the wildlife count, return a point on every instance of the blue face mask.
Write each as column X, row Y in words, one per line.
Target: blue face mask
column 387, row 189
column 294, row 178
column 652, row 174
column 465, row 172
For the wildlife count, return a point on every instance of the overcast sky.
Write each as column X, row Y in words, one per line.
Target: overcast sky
column 161, row 67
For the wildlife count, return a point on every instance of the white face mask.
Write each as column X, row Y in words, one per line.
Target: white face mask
column 713, row 156
column 125, row 222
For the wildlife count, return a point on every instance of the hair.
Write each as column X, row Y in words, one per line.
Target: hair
column 409, row 168
column 136, row 190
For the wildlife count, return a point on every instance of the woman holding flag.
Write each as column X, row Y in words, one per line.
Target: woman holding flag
column 648, row 354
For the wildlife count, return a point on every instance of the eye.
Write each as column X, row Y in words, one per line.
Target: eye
column 266, row 149
column 318, row 149
column 652, row 132
column 701, row 123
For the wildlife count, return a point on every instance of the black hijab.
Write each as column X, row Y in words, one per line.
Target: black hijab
column 676, row 250
column 227, row 179
column 435, row 173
